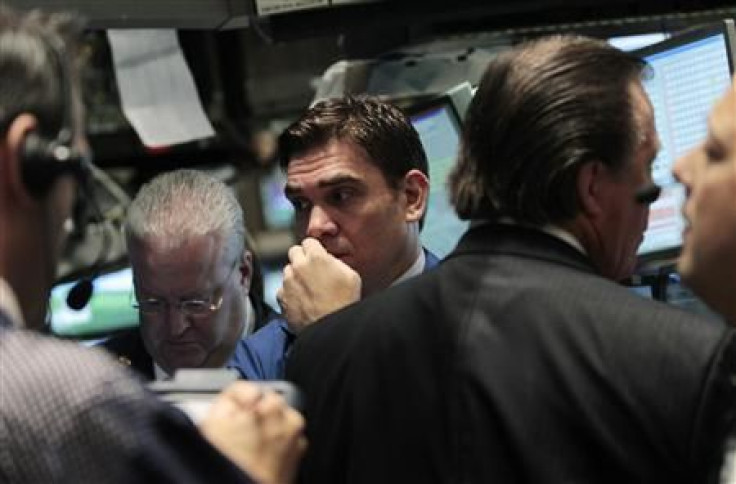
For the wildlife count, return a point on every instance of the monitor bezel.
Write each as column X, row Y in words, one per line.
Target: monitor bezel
column 447, row 103
column 725, row 27
column 438, row 102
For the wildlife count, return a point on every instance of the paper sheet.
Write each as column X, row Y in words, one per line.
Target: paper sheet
column 157, row 91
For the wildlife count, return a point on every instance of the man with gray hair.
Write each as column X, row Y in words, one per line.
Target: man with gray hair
column 193, row 276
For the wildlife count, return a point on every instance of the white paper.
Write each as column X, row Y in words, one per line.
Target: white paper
column 157, row 91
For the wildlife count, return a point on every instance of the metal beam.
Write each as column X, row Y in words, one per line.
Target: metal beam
column 177, row 14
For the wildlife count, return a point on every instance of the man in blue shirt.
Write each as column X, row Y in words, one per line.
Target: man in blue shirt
column 358, row 179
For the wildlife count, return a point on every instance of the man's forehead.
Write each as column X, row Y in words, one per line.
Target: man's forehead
column 342, row 162
column 722, row 120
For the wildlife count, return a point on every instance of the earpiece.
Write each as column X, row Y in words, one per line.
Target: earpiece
column 43, row 161
column 648, row 194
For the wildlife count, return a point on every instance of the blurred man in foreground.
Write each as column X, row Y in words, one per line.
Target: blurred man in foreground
column 708, row 259
column 67, row 413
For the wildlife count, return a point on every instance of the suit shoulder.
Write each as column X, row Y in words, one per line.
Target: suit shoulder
column 62, row 371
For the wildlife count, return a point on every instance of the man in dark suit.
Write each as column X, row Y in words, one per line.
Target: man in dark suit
column 196, row 278
column 520, row 359
column 357, row 176
column 68, row 413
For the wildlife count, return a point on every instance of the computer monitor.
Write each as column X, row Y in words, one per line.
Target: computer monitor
column 689, row 73
column 109, row 309
column 438, row 123
column 278, row 213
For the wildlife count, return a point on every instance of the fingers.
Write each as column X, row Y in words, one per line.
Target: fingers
column 273, row 408
column 310, row 248
column 258, row 431
column 313, row 246
column 243, row 393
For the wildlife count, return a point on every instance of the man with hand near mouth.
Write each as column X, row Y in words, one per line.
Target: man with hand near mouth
column 357, row 177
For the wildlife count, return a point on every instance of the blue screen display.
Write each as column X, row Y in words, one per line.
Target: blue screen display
column 439, row 132
column 687, row 80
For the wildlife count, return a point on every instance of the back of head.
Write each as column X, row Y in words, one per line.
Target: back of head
column 32, row 47
column 541, row 111
column 177, row 205
column 379, row 128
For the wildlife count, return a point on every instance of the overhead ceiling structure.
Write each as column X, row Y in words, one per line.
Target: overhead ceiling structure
column 256, row 61
column 299, row 18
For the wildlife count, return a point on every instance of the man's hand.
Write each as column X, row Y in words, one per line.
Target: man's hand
column 315, row 285
column 258, row 431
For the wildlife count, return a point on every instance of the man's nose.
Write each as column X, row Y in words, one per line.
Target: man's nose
column 176, row 321
column 320, row 223
column 683, row 168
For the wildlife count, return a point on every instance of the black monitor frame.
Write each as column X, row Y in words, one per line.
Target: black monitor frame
column 421, row 108
column 427, row 105
column 727, row 28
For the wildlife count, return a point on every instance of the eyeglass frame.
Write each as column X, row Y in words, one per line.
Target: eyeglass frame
column 181, row 305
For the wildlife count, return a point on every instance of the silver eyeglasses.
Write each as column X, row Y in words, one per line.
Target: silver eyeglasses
column 196, row 308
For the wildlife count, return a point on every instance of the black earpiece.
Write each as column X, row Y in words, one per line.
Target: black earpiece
column 43, row 161
column 648, row 194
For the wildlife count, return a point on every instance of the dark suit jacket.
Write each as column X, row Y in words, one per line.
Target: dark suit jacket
column 513, row 362
column 69, row 414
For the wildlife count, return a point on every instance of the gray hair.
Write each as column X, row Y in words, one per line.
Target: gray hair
column 177, row 205
column 39, row 53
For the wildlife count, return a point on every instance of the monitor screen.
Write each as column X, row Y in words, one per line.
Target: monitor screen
column 689, row 73
column 438, row 125
column 109, row 309
column 278, row 212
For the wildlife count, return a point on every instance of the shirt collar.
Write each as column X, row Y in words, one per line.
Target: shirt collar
column 9, row 305
column 565, row 236
column 550, row 229
column 416, row 268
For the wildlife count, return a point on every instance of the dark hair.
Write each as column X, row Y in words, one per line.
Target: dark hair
column 542, row 110
column 379, row 128
column 33, row 47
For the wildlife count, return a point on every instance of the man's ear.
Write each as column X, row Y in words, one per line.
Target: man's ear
column 11, row 156
column 245, row 270
column 416, row 191
column 592, row 183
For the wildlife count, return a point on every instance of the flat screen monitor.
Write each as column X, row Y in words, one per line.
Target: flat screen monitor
column 109, row 309
column 278, row 213
column 438, row 125
column 690, row 72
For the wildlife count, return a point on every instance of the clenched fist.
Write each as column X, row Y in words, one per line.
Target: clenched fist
column 315, row 285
